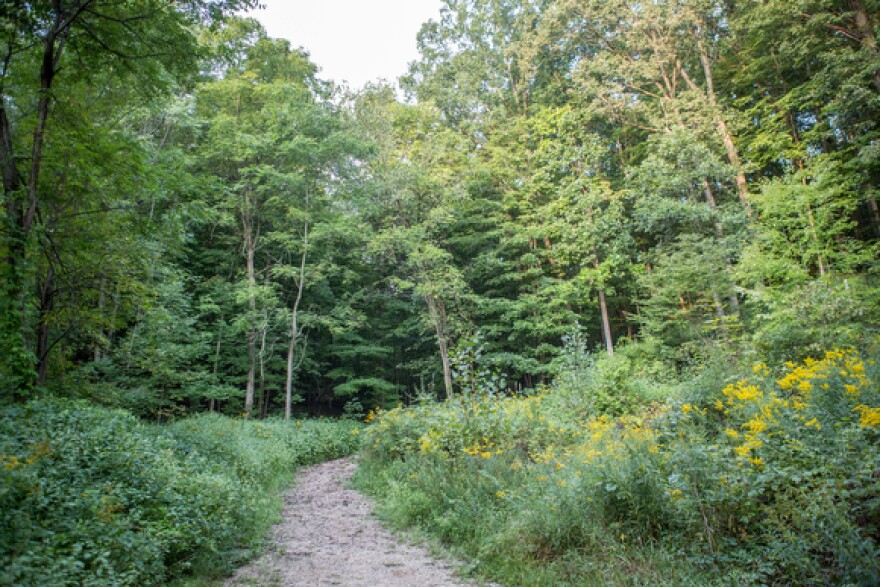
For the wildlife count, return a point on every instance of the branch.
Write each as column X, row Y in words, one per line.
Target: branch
column 836, row 28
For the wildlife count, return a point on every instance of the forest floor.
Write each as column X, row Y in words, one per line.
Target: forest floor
column 329, row 537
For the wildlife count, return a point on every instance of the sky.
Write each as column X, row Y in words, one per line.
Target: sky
column 355, row 41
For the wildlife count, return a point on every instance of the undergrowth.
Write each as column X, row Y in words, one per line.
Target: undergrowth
column 773, row 479
column 90, row 496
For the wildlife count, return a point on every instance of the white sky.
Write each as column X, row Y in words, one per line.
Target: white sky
column 351, row 40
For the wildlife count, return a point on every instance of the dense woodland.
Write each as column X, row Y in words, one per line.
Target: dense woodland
column 195, row 220
column 633, row 201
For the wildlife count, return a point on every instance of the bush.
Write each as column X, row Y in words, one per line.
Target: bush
column 90, row 496
column 771, row 479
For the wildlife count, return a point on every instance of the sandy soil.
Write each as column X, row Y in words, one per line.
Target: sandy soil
column 328, row 537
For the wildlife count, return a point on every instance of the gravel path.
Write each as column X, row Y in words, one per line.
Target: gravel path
column 327, row 537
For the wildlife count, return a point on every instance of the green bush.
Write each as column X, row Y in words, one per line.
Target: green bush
column 771, row 479
column 90, row 496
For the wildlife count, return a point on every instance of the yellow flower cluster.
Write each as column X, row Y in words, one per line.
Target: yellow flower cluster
column 760, row 410
column 373, row 414
column 742, row 392
column 869, row 417
column 759, row 422
column 485, row 449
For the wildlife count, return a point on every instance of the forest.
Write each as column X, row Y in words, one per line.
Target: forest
column 603, row 280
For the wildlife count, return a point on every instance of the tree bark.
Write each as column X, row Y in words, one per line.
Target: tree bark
column 212, row 404
column 437, row 309
column 264, row 328
column 47, row 301
column 250, row 253
column 603, row 309
column 719, row 230
column 742, row 186
column 294, row 331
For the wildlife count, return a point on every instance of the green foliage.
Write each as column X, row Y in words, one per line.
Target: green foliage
column 93, row 496
column 587, row 384
column 472, row 372
column 770, row 480
column 801, row 320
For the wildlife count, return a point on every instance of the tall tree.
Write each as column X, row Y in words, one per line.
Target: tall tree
column 151, row 42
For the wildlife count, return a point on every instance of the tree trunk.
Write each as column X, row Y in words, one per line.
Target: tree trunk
column 47, row 301
column 437, row 309
column 719, row 230
column 603, row 309
column 47, row 74
column 264, row 328
column 22, row 213
column 875, row 213
column 742, row 186
column 815, row 236
column 98, row 352
column 606, row 324
column 250, row 253
column 294, row 332
column 212, row 404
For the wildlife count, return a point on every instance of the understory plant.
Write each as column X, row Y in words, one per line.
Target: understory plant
column 772, row 479
column 90, row 496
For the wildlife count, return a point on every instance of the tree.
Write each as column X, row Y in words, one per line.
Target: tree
column 148, row 41
column 416, row 176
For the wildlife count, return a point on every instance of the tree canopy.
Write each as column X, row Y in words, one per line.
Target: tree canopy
column 195, row 220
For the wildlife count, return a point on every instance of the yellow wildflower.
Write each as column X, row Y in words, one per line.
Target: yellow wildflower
column 761, row 369
column 743, row 392
column 756, row 425
column 743, row 451
column 870, row 417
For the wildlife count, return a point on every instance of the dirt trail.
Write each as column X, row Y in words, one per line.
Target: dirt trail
column 327, row 537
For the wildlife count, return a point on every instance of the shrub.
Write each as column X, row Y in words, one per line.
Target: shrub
column 771, row 479
column 90, row 496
